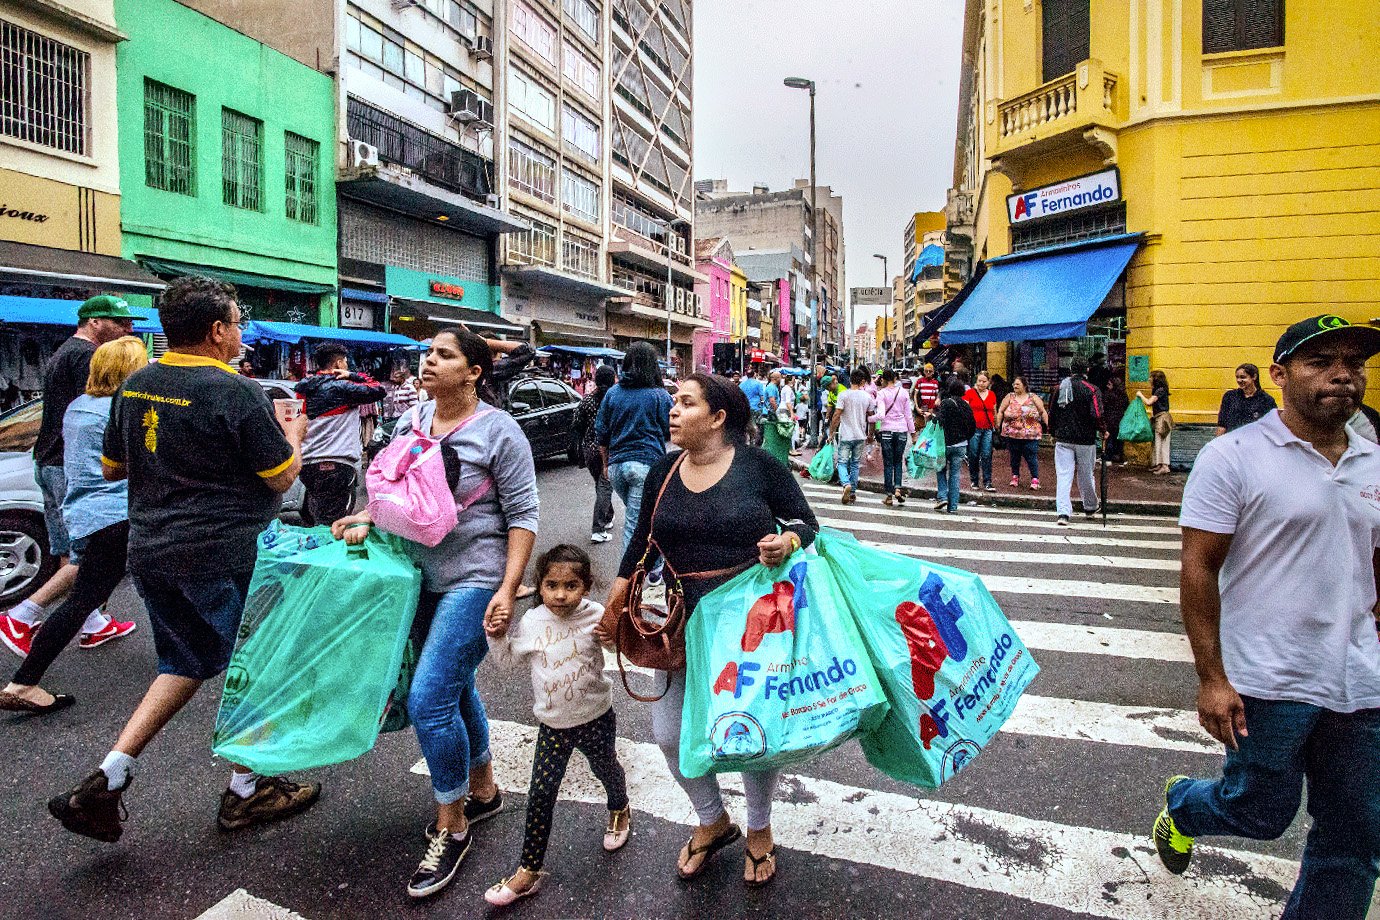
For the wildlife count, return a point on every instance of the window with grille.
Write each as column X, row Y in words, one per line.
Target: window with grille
column 528, row 98
column 300, row 177
column 169, row 127
column 580, row 256
column 580, row 197
column 43, row 90
column 241, row 160
column 581, row 134
column 1067, row 32
column 1081, row 225
column 585, row 15
column 534, row 31
column 580, row 70
column 1240, row 25
column 533, row 247
column 531, row 171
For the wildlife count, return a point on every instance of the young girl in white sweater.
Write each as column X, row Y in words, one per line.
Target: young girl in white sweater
column 573, row 704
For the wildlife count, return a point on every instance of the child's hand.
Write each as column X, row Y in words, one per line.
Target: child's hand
column 606, row 640
column 496, row 624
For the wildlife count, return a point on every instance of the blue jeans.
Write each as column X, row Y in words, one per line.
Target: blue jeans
column 950, row 475
column 444, row 704
column 893, row 460
column 52, row 482
column 980, row 457
column 1261, row 785
column 194, row 620
column 1027, row 450
column 627, row 479
column 848, row 456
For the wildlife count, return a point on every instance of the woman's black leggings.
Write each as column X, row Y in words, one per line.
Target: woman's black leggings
column 102, row 567
column 554, row 746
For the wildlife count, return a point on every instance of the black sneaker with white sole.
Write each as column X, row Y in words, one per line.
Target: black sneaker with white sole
column 1063, row 520
column 479, row 810
column 437, row 869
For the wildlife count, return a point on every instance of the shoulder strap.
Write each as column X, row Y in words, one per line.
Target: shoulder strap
column 662, row 491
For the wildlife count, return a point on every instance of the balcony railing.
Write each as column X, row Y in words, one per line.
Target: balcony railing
column 1084, row 98
column 433, row 158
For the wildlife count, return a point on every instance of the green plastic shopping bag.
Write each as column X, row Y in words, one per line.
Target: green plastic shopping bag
column 949, row 661
column 1135, row 424
column 319, row 650
column 776, row 672
column 822, row 466
column 929, row 452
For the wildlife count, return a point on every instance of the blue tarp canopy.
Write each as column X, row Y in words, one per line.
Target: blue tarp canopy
column 930, row 255
column 44, row 311
column 292, row 333
column 586, row 351
column 1047, row 293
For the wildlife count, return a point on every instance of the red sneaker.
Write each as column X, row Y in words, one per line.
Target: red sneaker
column 17, row 635
column 113, row 630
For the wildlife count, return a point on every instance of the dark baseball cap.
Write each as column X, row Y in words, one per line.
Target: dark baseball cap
column 1333, row 327
column 106, row 306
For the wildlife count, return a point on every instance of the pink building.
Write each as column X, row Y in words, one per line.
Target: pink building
column 714, row 260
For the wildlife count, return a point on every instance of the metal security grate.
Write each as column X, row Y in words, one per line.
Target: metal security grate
column 43, row 90
column 580, row 256
column 169, row 126
column 532, row 247
column 1083, row 225
column 435, row 159
column 380, row 237
column 242, row 162
column 300, row 176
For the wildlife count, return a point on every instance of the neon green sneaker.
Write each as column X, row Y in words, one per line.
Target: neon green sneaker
column 1175, row 849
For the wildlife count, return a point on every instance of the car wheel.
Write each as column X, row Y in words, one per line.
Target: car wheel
column 25, row 562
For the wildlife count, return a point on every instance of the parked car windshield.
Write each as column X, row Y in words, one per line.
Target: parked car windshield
column 19, row 427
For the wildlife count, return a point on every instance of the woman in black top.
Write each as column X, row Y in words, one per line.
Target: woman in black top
column 726, row 506
column 1160, row 420
column 601, row 531
column 1245, row 404
column 955, row 416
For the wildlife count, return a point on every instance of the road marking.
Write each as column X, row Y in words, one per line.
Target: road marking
column 924, row 508
column 1074, row 537
column 875, row 498
column 1142, row 644
column 241, row 905
column 1106, row 723
column 1079, row 869
column 983, row 555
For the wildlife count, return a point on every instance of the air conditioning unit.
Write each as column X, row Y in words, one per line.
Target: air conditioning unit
column 492, row 201
column 482, row 48
column 466, row 106
column 362, row 154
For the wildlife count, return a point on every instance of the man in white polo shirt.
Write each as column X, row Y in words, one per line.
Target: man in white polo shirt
column 1281, row 522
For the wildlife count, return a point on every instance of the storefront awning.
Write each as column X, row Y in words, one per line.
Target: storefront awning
column 237, row 278
column 583, row 351
column 480, row 320
column 1047, row 293
column 68, row 268
column 571, row 331
column 347, row 293
column 565, row 282
column 43, row 311
column 292, row 333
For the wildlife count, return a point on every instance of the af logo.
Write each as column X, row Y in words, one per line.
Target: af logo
column 737, row 736
column 1024, row 204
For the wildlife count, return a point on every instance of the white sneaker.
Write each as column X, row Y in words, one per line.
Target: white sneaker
column 600, row 537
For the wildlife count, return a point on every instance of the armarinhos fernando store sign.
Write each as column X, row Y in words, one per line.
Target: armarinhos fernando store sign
column 1089, row 191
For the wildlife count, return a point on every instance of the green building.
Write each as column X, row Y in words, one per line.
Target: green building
column 227, row 161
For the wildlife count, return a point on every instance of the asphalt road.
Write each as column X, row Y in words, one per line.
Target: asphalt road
column 1051, row 821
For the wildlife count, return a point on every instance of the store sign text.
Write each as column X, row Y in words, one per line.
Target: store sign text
column 1074, row 195
column 447, row 290
column 7, row 211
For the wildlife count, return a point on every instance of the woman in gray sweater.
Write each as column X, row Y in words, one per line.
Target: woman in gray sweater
column 472, row 573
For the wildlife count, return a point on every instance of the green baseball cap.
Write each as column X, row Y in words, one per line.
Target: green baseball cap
column 106, row 306
column 1368, row 337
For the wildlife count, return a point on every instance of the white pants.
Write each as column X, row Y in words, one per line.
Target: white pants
column 1072, row 460
column 1163, row 428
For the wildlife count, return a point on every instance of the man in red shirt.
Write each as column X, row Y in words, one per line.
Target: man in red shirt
column 926, row 394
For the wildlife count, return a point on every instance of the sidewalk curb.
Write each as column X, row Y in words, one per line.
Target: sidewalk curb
column 1036, row 502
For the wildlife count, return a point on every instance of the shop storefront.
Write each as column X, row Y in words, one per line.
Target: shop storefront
column 421, row 304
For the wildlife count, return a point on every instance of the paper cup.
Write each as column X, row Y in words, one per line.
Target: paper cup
column 287, row 410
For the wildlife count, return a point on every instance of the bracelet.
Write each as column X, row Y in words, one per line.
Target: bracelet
column 795, row 543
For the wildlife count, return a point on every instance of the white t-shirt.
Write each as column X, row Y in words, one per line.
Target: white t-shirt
column 1298, row 583
column 569, row 687
column 856, row 406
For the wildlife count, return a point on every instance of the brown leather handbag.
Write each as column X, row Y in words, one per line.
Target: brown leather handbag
column 641, row 633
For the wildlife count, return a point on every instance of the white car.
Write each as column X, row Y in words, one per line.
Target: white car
column 25, row 562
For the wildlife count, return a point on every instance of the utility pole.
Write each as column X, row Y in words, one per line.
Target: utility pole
column 802, row 83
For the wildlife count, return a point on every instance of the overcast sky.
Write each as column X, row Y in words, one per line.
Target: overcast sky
column 887, row 76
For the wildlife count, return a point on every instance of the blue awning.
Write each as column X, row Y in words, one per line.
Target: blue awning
column 586, row 351
column 347, row 293
column 292, row 333
column 44, row 311
column 929, row 256
column 1047, row 293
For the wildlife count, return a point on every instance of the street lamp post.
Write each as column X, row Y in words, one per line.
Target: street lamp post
column 886, row 275
column 670, row 229
column 802, row 83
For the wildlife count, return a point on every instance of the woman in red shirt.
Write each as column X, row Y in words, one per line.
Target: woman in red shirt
column 984, row 405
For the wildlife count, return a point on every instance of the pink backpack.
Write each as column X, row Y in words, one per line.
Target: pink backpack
column 408, row 492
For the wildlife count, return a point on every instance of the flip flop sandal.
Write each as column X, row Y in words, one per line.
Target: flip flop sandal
column 731, row 835
column 9, row 702
column 757, row 862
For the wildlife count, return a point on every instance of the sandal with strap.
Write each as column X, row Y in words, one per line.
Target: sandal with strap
column 730, row 835
column 501, row 895
column 614, row 835
column 757, row 862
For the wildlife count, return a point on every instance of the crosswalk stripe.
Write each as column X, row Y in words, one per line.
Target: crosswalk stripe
column 1062, row 587
column 1104, row 640
column 241, row 905
column 1079, row 869
column 811, row 488
column 1107, row 723
column 985, row 555
column 965, row 515
column 1081, row 535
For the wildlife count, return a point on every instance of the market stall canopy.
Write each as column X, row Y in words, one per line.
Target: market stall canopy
column 237, row 278
column 1047, row 293
column 583, row 351
column 43, row 311
column 48, row 265
column 292, row 333
column 482, row 322
column 929, row 256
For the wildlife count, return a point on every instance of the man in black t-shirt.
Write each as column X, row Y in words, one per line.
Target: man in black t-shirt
column 206, row 463
column 100, row 319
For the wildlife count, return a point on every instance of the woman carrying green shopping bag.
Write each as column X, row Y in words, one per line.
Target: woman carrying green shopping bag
column 719, row 506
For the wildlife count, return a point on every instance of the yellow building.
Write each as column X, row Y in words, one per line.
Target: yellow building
column 738, row 298
column 1186, row 183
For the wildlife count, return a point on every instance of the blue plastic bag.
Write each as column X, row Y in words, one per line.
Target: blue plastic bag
column 822, row 466
column 949, row 661
column 319, row 650
column 929, row 453
column 775, row 672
